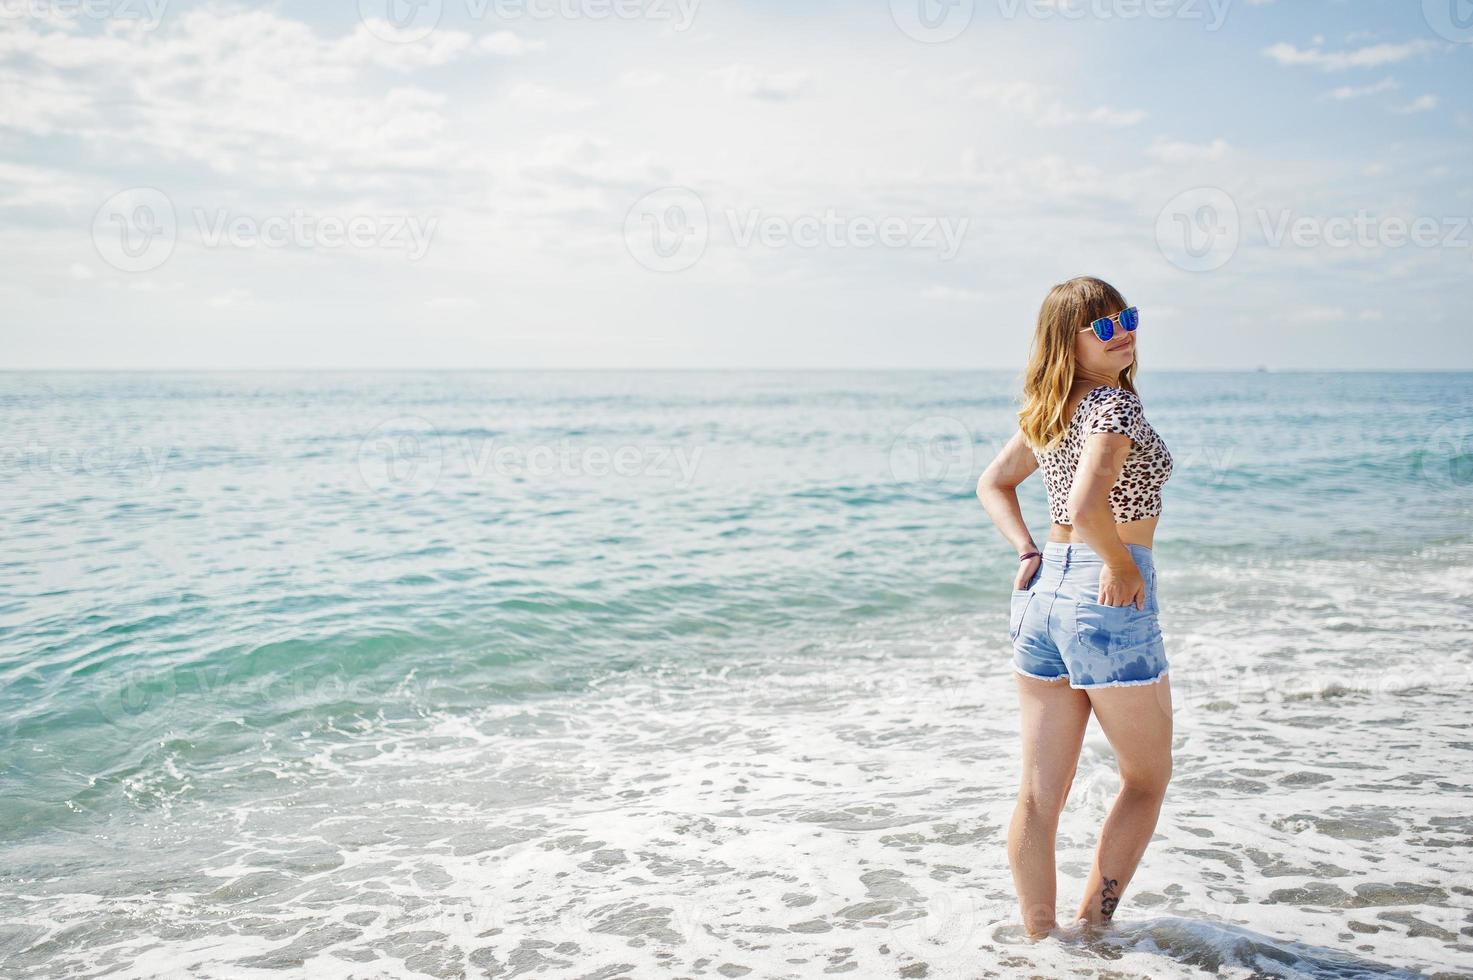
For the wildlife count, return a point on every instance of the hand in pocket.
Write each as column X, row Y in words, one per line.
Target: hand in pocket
column 1122, row 588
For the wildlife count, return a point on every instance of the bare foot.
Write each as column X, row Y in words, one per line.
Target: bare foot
column 1041, row 932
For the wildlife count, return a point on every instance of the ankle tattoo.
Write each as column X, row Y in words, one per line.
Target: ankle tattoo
column 1109, row 897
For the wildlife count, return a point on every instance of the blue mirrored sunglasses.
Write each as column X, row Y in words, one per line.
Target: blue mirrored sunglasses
column 1104, row 327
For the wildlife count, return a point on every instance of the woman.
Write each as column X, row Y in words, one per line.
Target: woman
column 1083, row 620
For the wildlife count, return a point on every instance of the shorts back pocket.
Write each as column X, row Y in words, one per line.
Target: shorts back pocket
column 1017, row 610
column 1106, row 629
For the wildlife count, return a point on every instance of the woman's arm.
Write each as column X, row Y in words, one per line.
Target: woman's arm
column 997, row 488
column 1089, row 511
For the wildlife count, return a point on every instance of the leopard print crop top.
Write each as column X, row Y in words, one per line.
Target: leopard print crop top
column 1137, row 493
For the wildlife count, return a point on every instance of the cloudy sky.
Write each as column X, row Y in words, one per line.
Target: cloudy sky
column 785, row 183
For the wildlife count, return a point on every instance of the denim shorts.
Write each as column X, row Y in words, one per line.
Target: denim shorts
column 1059, row 629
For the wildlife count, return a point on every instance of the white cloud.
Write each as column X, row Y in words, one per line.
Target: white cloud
column 1039, row 105
column 368, row 46
column 1371, row 56
column 780, row 86
column 1316, row 314
column 509, row 45
column 1170, row 152
column 641, row 78
column 239, row 92
column 1360, row 91
column 450, row 304
column 36, row 103
column 229, row 297
column 1422, row 103
column 532, row 163
column 542, row 98
column 953, row 294
column 29, row 187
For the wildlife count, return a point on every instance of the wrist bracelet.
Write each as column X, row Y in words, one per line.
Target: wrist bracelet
column 1031, row 554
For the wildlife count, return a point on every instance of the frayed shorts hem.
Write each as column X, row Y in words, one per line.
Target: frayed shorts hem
column 1088, row 687
column 1039, row 677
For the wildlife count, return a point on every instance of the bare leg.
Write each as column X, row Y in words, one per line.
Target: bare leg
column 1137, row 721
column 1053, row 717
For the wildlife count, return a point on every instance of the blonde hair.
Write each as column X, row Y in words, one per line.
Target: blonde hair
column 1068, row 308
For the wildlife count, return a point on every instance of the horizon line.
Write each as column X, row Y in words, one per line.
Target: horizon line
column 692, row 369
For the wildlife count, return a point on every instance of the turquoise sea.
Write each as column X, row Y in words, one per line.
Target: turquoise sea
column 702, row 674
